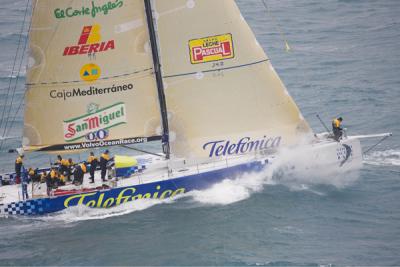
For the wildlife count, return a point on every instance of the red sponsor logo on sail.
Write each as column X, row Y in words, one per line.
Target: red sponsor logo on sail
column 96, row 122
column 89, row 43
column 211, row 48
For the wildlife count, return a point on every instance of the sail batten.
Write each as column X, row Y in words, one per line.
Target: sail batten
column 144, row 71
column 90, row 81
column 218, row 69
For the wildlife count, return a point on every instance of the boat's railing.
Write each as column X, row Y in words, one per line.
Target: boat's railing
column 226, row 162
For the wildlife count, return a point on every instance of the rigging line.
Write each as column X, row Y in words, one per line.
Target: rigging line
column 277, row 25
column 6, row 129
column 369, row 149
column 21, row 101
column 285, row 40
column 14, row 64
column 221, row 69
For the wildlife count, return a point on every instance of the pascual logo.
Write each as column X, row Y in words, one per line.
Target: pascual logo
column 89, row 43
column 90, row 72
column 245, row 145
column 93, row 10
column 95, row 123
column 212, row 48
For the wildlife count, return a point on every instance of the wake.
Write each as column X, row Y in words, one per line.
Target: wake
column 83, row 213
column 383, row 158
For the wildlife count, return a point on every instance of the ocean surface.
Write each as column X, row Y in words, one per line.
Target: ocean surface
column 344, row 60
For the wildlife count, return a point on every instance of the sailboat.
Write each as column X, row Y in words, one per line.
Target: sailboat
column 187, row 74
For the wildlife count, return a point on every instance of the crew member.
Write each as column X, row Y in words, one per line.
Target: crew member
column 61, row 179
column 54, row 178
column 18, row 167
column 64, row 166
column 105, row 157
column 79, row 172
column 93, row 161
column 50, row 178
column 59, row 160
column 34, row 177
column 43, row 177
column 337, row 129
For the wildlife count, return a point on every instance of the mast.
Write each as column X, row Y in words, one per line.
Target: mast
column 157, row 71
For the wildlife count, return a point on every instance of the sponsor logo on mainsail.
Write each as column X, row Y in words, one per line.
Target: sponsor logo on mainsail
column 90, row 72
column 93, row 10
column 245, row 145
column 89, row 43
column 211, row 48
column 96, row 123
column 92, row 91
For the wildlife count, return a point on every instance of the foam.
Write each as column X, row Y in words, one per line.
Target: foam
column 83, row 213
column 383, row 158
column 290, row 168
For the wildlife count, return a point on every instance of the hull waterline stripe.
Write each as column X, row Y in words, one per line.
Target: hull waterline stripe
column 221, row 69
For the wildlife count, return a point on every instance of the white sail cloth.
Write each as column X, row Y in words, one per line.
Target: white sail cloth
column 90, row 79
column 223, row 95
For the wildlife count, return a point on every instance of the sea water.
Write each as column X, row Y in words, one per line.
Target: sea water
column 344, row 60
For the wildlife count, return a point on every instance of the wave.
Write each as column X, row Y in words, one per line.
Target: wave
column 287, row 263
column 83, row 213
column 290, row 169
column 383, row 158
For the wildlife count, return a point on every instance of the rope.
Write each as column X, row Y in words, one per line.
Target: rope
column 278, row 26
column 288, row 48
column 372, row 147
column 5, row 117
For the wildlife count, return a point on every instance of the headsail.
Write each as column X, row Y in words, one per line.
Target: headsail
column 223, row 95
column 90, row 81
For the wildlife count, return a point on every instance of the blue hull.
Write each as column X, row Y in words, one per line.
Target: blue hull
column 116, row 196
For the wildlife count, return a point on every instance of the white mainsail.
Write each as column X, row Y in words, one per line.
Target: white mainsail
column 90, row 81
column 223, row 95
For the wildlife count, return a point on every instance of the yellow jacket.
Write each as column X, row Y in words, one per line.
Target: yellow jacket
column 65, row 162
column 53, row 174
column 18, row 160
column 105, row 156
column 336, row 123
column 91, row 158
column 83, row 167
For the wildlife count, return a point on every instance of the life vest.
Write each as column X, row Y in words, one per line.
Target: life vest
column 65, row 162
column 18, row 160
column 91, row 159
column 53, row 174
column 105, row 156
column 336, row 123
column 83, row 167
